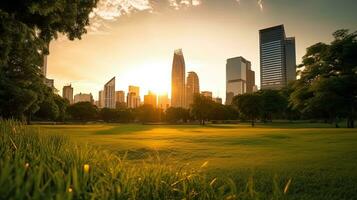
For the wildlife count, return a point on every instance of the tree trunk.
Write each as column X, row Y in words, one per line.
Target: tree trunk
column 350, row 122
column 253, row 122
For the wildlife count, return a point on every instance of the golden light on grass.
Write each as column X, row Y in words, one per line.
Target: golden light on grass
column 204, row 164
column 86, row 168
column 287, row 186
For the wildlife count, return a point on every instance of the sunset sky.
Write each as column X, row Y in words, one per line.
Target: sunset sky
column 134, row 40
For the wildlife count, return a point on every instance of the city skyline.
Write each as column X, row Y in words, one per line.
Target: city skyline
column 151, row 36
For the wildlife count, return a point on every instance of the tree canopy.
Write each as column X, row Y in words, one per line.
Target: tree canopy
column 327, row 86
column 26, row 29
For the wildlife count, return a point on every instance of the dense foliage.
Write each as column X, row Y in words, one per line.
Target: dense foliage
column 327, row 87
column 26, row 29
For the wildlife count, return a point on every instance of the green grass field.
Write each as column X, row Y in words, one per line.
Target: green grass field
column 113, row 161
column 320, row 161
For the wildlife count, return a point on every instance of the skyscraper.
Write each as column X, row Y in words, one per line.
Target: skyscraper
column 250, row 82
column 150, row 99
column 120, row 99
column 178, row 80
column 192, row 87
column 240, row 78
column 133, row 97
column 277, row 58
column 67, row 93
column 109, row 94
column 163, row 101
column 101, row 99
column 290, row 59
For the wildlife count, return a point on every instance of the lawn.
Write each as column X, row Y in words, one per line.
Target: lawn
column 320, row 161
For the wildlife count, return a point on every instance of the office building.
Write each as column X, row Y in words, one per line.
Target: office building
column 101, row 99
column 163, row 101
column 207, row 94
column 133, row 97
column 192, row 88
column 67, row 93
column 240, row 78
column 150, row 99
column 109, row 94
column 277, row 58
column 178, row 80
column 290, row 59
column 120, row 99
column 217, row 100
column 82, row 97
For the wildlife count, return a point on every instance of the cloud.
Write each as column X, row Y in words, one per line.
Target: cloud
column 110, row 10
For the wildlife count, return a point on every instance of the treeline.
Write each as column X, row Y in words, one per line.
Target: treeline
column 85, row 111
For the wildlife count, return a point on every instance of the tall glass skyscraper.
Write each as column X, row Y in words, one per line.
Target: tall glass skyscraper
column 192, row 87
column 178, row 80
column 277, row 58
column 109, row 94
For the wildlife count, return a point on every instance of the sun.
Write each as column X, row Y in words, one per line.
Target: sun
column 155, row 77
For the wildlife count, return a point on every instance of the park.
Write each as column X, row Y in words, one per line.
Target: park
column 318, row 160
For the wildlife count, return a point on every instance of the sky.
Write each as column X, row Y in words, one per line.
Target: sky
column 134, row 40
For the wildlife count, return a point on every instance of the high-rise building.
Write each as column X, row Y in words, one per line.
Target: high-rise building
column 240, row 78
column 207, row 94
column 217, row 100
column 133, row 97
column 101, row 99
column 150, row 99
column 290, row 59
column 163, row 101
column 277, row 58
column 250, row 82
column 178, row 80
column 109, row 94
column 82, row 97
column 192, row 88
column 120, row 99
column 67, row 93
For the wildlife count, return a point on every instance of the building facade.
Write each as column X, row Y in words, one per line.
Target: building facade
column 82, row 97
column 217, row 100
column 290, row 59
column 163, row 101
column 120, row 99
column 277, row 58
column 207, row 94
column 150, row 99
column 109, row 94
column 67, row 93
column 192, row 88
column 178, row 80
column 240, row 78
column 133, row 97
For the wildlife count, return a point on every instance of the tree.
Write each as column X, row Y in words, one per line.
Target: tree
column 27, row 27
column 202, row 108
column 109, row 115
column 175, row 115
column 147, row 113
column 250, row 105
column 328, row 83
column 62, row 105
column 273, row 104
column 83, row 111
